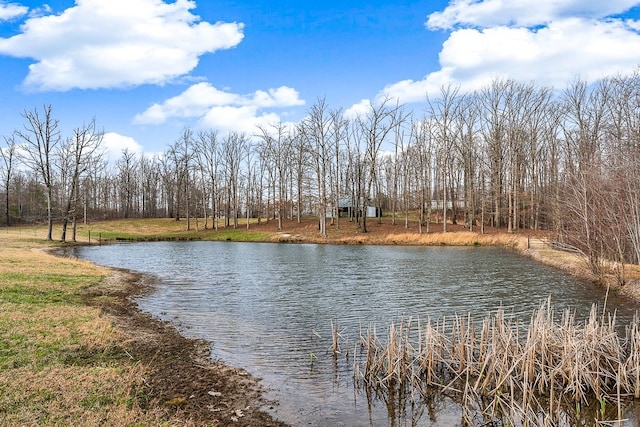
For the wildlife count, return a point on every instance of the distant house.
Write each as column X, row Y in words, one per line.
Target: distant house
column 347, row 209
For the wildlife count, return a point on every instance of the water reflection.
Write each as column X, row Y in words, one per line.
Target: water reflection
column 269, row 308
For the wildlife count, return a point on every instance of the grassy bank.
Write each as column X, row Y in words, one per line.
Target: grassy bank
column 61, row 361
column 74, row 350
column 342, row 232
column 152, row 229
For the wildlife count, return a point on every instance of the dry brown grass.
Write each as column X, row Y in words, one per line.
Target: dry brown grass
column 460, row 238
column 145, row 226
column 69, row 395
column 567, row 261
column 578, row 266
column 62, row 362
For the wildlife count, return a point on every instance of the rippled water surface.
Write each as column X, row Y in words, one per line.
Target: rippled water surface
column 269, row 307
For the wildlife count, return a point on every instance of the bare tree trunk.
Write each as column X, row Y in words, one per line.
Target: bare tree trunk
column 374, row 127
column 8, row 156
column 40, row 136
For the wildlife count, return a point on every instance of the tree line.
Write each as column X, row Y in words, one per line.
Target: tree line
column 511, row 155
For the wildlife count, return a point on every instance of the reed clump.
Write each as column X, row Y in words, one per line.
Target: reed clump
column 504, row 371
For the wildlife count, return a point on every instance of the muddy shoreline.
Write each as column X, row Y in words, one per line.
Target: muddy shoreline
column 182, row 379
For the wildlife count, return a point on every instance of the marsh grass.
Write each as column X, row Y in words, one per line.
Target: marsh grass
column 552, row 370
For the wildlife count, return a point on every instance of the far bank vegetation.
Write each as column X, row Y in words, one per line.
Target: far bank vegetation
column 512, row 156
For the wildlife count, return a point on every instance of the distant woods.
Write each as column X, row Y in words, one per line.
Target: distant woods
column 511, row 155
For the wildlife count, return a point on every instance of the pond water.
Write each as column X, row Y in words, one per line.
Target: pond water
column 269, row 308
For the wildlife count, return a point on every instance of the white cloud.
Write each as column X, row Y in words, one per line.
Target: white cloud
column 12, row 10
column 115, row 144
column 283, row 96
column 193, row 102
column 489, row 13
column 220, row 109
column 116, row 43
column 238, row 118
column 359, row 109
column 548, row 43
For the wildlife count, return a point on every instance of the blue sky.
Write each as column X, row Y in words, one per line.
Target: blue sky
column 146, row 69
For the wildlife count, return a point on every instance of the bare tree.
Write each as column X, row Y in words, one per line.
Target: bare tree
column 300, row 164
column 180, row 159
column 77, row 155
column 169, row 185
column 442, row 113
column 40, row 136
column 421, row 135
column 275, row 148
column 519, row 101
column 150, row 185
column 584, row 120
column 467, row 156
column 249, row 181
column 492, row 100
column 539, row 122
column 8, row 157
column 316, row 130
column 126, row 168
column 550, row 169
column 623, row 132
column 355, row 172
column 373, row 128
column 207, row 155
column 339, row 127
column 632, row 194
column 233, row 151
